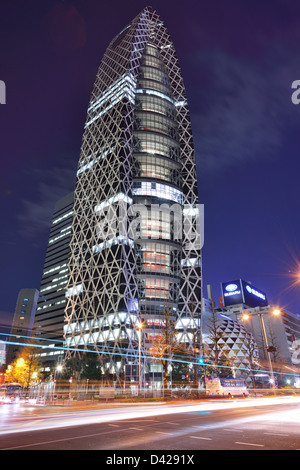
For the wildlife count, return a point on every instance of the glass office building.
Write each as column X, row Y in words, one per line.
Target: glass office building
column 135, row 245
column 50, row 312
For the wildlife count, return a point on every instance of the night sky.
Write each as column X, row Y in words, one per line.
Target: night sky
column 238, row 59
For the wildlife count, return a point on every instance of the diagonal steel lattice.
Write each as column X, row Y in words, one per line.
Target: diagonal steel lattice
column 137, row 151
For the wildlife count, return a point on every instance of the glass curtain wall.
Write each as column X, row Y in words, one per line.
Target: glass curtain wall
column 156, row 182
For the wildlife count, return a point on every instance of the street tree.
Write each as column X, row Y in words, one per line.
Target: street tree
column 25, row 369
column 165, row 344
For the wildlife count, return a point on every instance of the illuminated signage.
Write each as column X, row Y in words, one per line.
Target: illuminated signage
column 253, row 291
column 232, row 293
column 231, row 287
column 241, row 292
column 227, row 294
column 253, row 297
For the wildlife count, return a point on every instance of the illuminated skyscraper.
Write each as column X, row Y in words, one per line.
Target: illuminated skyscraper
column 50, row 312
column 135, row 247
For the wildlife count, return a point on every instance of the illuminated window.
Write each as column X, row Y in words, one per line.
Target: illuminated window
column 76, row 290
column 157, row 288
column 155, row 93
column 161, row 191
column 112, row 200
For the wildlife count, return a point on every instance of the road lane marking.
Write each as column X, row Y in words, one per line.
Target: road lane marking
column 199, row 437
column 143, row 420
column 137, row 429
column 114, row 425
column 34, row 444
column 167, row 433
column 249, row 444
column 275, row 434
column 235, row 430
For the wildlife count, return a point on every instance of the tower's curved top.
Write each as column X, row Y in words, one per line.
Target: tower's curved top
column 120, row 66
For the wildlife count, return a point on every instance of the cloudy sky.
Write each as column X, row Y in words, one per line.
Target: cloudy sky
column 238, row 59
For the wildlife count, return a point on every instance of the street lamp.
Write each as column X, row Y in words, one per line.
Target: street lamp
column 139, row 327
column 275, row 312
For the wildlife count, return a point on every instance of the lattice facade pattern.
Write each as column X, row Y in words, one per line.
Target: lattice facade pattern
column 235, row 341
column 136, row 168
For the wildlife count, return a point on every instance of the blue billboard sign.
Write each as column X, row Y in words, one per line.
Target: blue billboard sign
column 253, row 297
column 241, row 292
column 232, row 293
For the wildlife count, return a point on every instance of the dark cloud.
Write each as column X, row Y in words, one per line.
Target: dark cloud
column 65, row 28
column 34, row 218
column 6, row 319
column 242, row 113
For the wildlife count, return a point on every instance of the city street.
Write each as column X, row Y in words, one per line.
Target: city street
column 250, row 424
column 150, row 303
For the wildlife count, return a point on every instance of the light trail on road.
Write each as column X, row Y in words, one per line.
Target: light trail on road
column 34, row 422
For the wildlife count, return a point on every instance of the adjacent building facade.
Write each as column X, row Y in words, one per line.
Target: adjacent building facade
column 234, row 340
column 23, row 321
column 50, row 313
column 276, row 331
column 135, row 243
column 282, row 330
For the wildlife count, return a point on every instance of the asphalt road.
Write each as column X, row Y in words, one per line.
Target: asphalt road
column 268, row 424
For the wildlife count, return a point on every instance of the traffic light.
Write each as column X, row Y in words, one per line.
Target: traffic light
column 201, row 360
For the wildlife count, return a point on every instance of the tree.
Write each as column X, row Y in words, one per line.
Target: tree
column 16, row 371
column 86, row 367
column 165, row 344
column 181, row 369
column 196, row 348
column 25, row 369
column 252, row 356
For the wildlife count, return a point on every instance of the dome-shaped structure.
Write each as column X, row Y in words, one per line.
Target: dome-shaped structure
column 232, row 339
